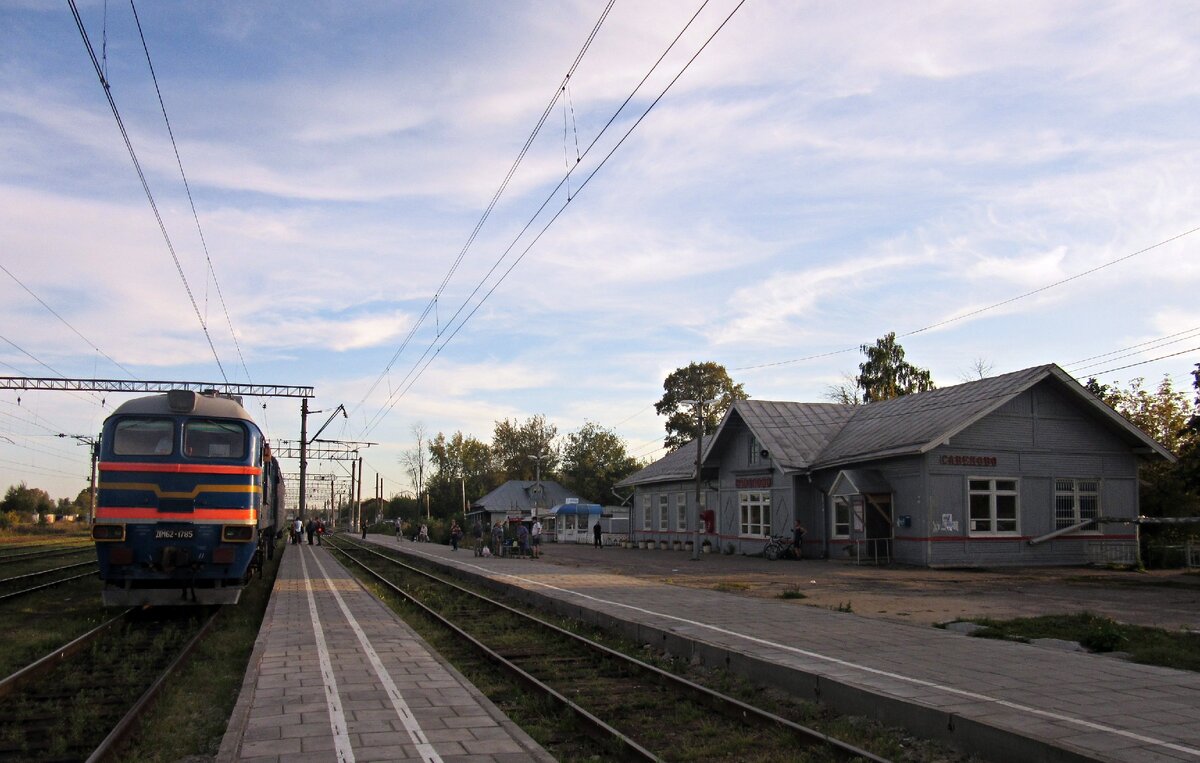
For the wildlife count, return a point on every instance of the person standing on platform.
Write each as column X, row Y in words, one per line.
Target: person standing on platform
column 423, row 535
column 362, row 523
column 320, row 530
column 596, row 532
column 455, row 535
column 523, row 539
column 498, row 539
column 537, row 538
column 797, row 539
column 477, row 534
column 309, row 530
column 297, row 530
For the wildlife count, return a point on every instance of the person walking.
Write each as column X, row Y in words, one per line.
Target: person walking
column 537, row 538
column 477, row 534
column 797, row 539
column 455, row 535
column 320, row 529
column 596, row 532
column 309, row 530
column 297, row 531
column 423, row 536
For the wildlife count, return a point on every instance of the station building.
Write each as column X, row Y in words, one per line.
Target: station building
column 1026, row 468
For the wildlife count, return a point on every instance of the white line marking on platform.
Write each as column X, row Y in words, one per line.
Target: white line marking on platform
column 844, row 663
column 424, row 748
column 337, row 718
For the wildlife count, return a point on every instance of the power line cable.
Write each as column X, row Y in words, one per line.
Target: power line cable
column 404, row 389
column 973, row 313
column 432, row 304
column 66, row 323
column 195, row 216
column 145, row 184
column 1182, row 336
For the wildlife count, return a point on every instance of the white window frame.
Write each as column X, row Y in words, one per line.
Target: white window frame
column 754, row 513
column 1072, row 489
column 647, row 512
column 681, row 512
column 841, row 517
column 753, row 453
column 664, row 515
column 994, row 495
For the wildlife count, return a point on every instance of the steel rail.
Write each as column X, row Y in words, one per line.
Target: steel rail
column 730, row 706
column 108, row 746
column 595, row 725
column 41, row 666
column 46, row 552
column 39, row 573
column 51, row 584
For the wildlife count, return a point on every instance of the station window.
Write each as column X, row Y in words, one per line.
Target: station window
column 647, row 513
column 841, row 517
column 755, row 512
column 993, row 506
column 664, row 513
column 1075, row 501
column 681, row 512
column 144, row 437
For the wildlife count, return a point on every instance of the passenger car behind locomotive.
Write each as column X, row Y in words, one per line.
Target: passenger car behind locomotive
column 189, row 500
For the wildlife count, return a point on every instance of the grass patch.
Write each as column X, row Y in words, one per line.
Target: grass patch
column 731, row 586
column 1149, row 646
column 793, row 593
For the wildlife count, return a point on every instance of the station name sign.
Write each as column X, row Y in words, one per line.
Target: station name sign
column 747, row 483
column 967, row 460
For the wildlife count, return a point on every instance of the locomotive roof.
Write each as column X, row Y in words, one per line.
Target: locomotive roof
column 205, row 405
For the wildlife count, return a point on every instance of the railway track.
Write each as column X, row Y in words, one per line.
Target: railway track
column 17, row 586
column 631, row 709
column 25, row 556
column 80, row 701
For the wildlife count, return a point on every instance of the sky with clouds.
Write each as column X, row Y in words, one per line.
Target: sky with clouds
column 387, row 222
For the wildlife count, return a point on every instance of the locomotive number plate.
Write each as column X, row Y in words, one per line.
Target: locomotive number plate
column 179, row 534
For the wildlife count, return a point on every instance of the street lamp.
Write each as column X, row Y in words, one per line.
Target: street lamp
column 538, row 471
column 699, row 406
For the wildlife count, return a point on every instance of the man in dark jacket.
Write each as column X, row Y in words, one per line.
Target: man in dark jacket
column 309, row 529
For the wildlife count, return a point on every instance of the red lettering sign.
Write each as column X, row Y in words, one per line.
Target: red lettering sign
column 749, row 483
column 989, row 461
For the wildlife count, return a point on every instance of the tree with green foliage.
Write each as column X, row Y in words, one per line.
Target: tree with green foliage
column 1164, row 489
column 595, row 459
column 23, row 499
column 885, row 374
column 513, row 443
column 459, row 464
column 1189, row 449
column 696, row 381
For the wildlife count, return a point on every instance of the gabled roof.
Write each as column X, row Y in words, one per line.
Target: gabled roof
column 807, row 436
column 920, row 422
column 518, row 494
column 676, row 466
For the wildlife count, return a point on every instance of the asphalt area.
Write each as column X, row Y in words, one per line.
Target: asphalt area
column 1161, row 598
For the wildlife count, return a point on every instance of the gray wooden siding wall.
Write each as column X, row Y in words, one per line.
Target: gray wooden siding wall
column 1037, row 437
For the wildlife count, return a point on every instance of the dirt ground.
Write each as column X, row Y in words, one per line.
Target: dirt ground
column 1165, row 599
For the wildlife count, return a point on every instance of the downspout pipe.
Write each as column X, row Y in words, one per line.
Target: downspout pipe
column 1064, row 531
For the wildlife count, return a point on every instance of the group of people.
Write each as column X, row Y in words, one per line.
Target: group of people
column 314, row 528
column 526, row 540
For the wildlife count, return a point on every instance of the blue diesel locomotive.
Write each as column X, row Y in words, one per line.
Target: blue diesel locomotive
column 189, row 500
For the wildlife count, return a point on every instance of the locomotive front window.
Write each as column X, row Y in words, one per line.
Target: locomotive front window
column 214, row 439
column 144, row 437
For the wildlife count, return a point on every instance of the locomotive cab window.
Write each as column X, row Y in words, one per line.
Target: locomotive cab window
column 214, row 439
column 144, row 437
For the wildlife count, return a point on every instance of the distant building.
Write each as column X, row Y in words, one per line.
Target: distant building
column 519, row 500
column 1027, row 468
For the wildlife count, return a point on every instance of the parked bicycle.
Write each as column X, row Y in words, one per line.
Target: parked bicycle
column 779, row 547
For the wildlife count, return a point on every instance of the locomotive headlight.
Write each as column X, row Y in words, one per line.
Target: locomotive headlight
column 109, row 533
column 237, row 533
